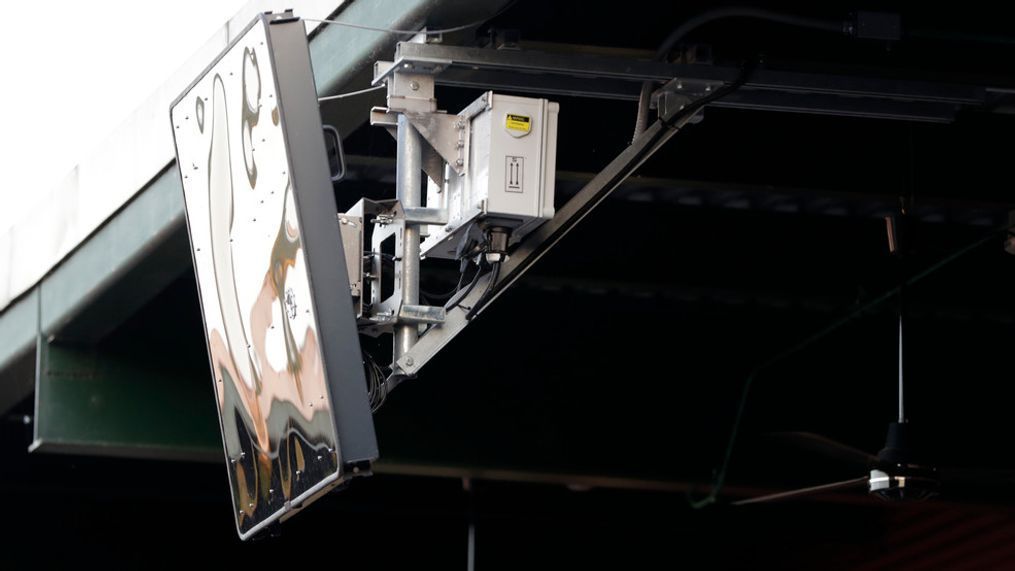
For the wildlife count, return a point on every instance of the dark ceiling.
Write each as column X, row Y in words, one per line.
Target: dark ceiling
column 624, row 351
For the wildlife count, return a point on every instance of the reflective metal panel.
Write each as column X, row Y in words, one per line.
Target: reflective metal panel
column 249, row 242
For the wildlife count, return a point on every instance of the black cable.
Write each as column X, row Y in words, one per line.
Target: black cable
column 462, row 294
column 449, row 293
column 494, row 274
column 720, row 13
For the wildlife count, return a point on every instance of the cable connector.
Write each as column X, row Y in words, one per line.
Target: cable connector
column 497, row 239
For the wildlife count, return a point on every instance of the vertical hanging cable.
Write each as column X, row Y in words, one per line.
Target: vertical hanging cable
column 895, row 248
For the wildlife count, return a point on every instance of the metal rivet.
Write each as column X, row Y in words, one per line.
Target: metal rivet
column 414, row 85
column 410, row 361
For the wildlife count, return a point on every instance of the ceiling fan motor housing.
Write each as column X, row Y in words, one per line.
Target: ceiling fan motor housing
column 898, row 473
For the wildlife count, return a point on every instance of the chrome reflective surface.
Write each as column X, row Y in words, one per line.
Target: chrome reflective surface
column 268, row 370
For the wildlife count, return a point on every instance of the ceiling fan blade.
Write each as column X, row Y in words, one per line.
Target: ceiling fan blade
column 824, row 447
column 843, row 485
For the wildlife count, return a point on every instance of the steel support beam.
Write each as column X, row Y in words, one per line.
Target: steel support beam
column 612, row 77
column 536, row 245
column 87, row 402
column 737, row 196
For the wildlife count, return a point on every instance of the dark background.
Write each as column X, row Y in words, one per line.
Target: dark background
column 624, row 351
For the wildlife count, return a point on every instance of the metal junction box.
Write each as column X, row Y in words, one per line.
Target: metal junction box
column 509, row 171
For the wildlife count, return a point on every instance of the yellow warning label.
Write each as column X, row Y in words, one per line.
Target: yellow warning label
column 519, row 122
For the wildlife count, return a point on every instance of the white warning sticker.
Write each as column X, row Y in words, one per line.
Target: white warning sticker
column 514, row 173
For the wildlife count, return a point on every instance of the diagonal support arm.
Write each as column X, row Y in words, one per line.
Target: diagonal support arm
column 538, row 243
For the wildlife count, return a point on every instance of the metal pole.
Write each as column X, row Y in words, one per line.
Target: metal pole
column 902, row 410
column 408, row 191
column 471, row 564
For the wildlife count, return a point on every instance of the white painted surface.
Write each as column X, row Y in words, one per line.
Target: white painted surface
column 51, row 214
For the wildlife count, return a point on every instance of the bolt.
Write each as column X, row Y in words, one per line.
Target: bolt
column 410, row 361
column 414, row 85
column 459, row 162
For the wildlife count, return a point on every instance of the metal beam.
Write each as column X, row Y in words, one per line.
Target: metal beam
column 611, row 77
column 19, row 327
column 95, row 403
column 121, row 267
column 740, row 196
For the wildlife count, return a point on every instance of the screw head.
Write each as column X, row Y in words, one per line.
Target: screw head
column 414, row 85
column 410, row 361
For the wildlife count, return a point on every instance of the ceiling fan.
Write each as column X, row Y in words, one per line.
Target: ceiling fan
column 899, row 471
